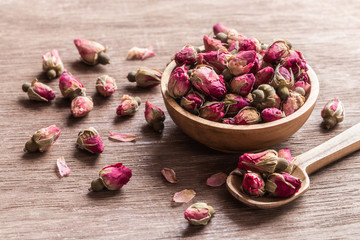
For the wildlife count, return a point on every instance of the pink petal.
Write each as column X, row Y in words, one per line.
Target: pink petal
column 216, row 179
column 64, row 170
column 184, row 196
column 140, row 53
column 122, row 137
column 169, row 174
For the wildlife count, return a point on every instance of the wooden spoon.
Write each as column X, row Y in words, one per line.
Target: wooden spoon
column 304, row 164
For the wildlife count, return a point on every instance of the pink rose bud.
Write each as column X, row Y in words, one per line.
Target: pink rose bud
column 89, row 140
column 302, row 85
column 179, row 83
column 212, row 44
column 272, row 114
column 243, row 62
column 296, row 64
column 242, row 84
column 332, row 113
column 302, row 76
column 228, row 121
column 282, row 185
column 38, row 91
column 112, row 178
column 106, row 85
column 186, row 56
column 293, row 103
column 43, row 139
column 265, row 96
column 212, row 111
column 247, row 116
column 263, row 162
column 154, row 116
column 285, row 154
column 245, row 45
column 234, row 103
column 70, row 87
column 199, row 213
column 52, row 64
column 207, row 81
column 81, row 106
column 137, row 53
column 192, row 101
column 279, row 49
column 218, row 27
column 128, row 106
column 234, row 36
column 216, row 59
column 145, row 77
column 91, row 52
column 264, row 76
column 282, row 81
column 253, row 184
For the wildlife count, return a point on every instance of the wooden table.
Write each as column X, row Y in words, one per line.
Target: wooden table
column 36, row 204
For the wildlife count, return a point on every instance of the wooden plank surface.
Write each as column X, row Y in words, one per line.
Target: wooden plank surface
column 36, row 204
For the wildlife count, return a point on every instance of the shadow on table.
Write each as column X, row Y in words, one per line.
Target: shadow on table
column 100, row 100
column 85, row 156
column 33, row 156
column 34, row 105
column 103, row 194
column 80, row 66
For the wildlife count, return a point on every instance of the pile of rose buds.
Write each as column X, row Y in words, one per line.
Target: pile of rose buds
column 268, row 173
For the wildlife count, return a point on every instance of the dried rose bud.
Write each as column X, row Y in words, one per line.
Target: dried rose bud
column 264, row 76
column 70, row 87
column 217, row 59
column 136, row 53
column 272, row 114
column 332, row 113
column 207, row 81
column 212, row 44
column 282, row 185
column 253, row 184
column 234, row 36
column 81, row 106
column 293, row 103
column 112, row 178
column 302, row 85
column 279, row 49
column 263, row 162
column 192, row 101
column 228, row 121
column 89, row 139
column 91, row 52
column 285, row 154
column 154, row 116
column 43, row 139
column 145, row 77
column 212, row 111
column 234, row 103
column 186, row 56
column 179, row 83
column 38, row 91
column 265, row 96
column 219, row 28
column 52, row 64
column 106, row 85
column 245, row 45
column 199, row 213
column 296, row 64
column 247, row 116
column 282, row 81
column 242, row 84
column 243, row 62
column 128, row 105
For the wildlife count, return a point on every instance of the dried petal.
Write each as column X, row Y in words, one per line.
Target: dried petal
column 169, row 174
column 136, row 53
column 122, row 137
column 216, row 179
column 64, row 170
column 184, row 196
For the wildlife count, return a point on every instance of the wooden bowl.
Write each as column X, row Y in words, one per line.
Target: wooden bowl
column 238, row 138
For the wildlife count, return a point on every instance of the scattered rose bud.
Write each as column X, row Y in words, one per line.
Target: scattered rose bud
column 264, row 76
column 234, row 103
column 212, row 44
column 43, row 139
column 272, row 114
column 81, row 106
column 263, row 162
column 216, row 59
column 293, row 103
column 186, row 56
column 247, row 116
column 216, row 180
column 283, row 80
column 38, row 91
column 63, row 168
column 332, row 113
column 279, row 49
column 253, row 184
column 128, row 105
column 89, row 140
column 112, row 177
column 184, row 196
column 192, row 101
column 212, row 111
column 170, row 175
column 52, row 64
column 91, row 52
column 179, row 83
column 70, row 87
column 145, row 77
column 265, row 96
column 199, row 213
column 217, row 28
column 154, row 116
column 137, row 53
column 106, row 85
column 243, row 62
column 282, row 185
column 243, row 84
column 122, row 137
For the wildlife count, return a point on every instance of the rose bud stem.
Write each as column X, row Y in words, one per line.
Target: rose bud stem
column 26, row 86
column 103, row 58
column 31, row 146
column 97, row 185
column 131, row 76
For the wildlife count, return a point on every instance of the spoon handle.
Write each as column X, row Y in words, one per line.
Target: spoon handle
column 331, row 150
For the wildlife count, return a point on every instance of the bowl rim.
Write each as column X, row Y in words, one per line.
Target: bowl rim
column 309, row 103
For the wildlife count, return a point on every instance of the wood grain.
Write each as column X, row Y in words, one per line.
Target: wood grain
column 36, row 204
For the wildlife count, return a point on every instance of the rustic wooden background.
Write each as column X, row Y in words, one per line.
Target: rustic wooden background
column 36, row 204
